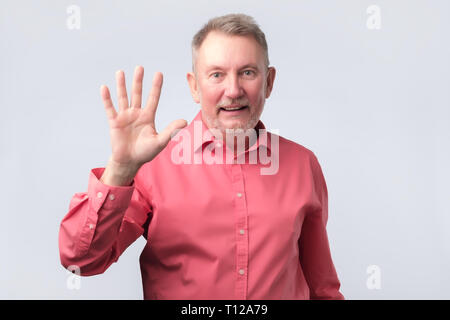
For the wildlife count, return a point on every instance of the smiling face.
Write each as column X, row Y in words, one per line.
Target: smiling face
column 230, row 73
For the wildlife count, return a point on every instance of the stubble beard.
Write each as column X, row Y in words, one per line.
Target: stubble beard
column 236, row 128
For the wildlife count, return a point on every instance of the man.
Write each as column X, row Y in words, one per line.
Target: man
column 214, row 229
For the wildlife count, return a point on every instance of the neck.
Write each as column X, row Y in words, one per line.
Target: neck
column 239, row 139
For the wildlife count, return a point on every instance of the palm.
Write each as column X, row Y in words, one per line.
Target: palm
column 134, row 139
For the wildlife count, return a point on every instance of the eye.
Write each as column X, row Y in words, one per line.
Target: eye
column 249, row 72
column 216, row 75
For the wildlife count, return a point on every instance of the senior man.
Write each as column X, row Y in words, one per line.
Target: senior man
column 216, row 229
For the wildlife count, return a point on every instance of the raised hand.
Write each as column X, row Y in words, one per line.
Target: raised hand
column 134, row 139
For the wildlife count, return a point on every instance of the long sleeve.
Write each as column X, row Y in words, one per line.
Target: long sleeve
column 101, row 223
column 314, row 250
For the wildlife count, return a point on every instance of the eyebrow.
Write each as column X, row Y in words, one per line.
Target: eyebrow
column 248, row 65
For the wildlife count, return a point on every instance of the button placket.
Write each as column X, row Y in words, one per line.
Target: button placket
column 241, row 235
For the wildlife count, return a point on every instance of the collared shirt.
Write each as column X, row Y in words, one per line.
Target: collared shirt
column 213, row 230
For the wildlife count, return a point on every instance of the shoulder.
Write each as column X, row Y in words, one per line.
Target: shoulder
column 291, row 148
column 297, row 158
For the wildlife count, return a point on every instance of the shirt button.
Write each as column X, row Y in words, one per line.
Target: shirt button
column 239, row 194
column 241, row 231
column 111, row 197
column 99, row 195
column 91, row 226
column 241, row 271
column 219, row 145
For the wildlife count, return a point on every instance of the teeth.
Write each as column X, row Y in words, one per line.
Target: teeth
column 230, row 109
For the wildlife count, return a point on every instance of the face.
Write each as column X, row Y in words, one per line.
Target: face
column 230, row 74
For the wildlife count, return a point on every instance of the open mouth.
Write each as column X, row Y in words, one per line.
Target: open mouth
column 233, row 109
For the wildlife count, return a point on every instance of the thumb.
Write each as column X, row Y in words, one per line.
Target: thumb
column 165, row 135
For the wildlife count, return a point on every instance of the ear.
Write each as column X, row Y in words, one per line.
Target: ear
column 193, row 86
column 269, row 80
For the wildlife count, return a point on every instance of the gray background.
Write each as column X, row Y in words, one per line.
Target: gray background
column 372, row 104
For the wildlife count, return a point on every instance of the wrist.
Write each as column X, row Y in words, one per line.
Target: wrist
column 117, row 174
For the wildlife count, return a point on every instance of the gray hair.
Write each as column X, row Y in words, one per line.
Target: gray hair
column 230, row 24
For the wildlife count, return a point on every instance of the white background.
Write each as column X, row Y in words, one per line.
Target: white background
column 373, row 105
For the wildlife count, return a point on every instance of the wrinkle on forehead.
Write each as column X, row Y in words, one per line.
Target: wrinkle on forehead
column 229, row 52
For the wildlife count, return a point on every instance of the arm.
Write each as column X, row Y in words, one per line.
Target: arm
column 101, row 224
column 112, row 214
column 314, row 250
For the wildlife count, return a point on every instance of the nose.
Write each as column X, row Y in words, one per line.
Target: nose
column 233, row 88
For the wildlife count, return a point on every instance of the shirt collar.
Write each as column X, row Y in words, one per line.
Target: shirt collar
column 263, row 137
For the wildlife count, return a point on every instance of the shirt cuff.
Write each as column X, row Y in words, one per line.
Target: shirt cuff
column 106, row 196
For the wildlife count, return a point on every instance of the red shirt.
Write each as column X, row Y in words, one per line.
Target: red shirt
column 214, row 231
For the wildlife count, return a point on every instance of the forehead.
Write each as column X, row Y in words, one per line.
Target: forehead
column 229, row 51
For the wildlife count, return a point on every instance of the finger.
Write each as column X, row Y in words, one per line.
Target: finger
column 107, row 102
column 121, row 90
column 165, row 135
column 136, row 90
column 155, row 92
